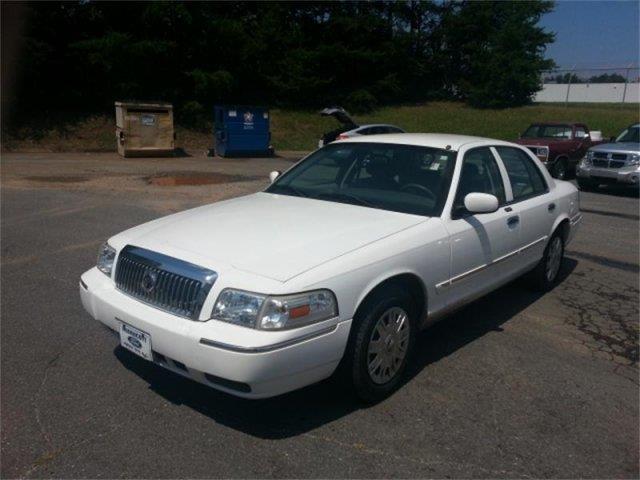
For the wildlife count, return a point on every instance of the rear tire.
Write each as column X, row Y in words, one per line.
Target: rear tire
column 560, row 169
column 545, row 275
column 380, row 344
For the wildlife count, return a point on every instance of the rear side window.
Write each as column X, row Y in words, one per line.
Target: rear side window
column 526, row 180
column 581, row 132
column 480, row 174
column 548, row 131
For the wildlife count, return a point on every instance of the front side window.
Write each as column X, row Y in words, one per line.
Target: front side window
column 548, row 131
column 400, row 178
column 526, row 179
column 479, row 174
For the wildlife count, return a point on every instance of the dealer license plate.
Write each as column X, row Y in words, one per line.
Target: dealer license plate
column 135, row 340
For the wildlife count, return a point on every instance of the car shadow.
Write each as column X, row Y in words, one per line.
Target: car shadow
column 304, row 410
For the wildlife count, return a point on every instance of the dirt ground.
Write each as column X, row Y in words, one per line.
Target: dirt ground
column 168, row 184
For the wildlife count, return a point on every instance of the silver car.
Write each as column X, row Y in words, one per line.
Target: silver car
column 615, row 163
column 350, row 128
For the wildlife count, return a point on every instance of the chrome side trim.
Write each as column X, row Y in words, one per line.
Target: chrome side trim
column 447, row 283
column 533, row 244
column 269, row 348
column 577, row 218
column 468, row 273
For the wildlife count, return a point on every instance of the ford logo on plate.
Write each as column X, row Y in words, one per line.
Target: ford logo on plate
column 134, row 341
column 149, row 280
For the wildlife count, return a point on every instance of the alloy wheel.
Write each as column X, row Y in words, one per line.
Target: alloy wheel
column 388, row 345
column 554, row 258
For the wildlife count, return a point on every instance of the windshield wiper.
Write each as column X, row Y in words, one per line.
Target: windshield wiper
column 347, row 196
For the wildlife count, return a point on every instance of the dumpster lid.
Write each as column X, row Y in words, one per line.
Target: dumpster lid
column 339, row 114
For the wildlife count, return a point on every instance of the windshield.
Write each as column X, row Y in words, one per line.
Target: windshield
column 400, row 178
column 548, row 131
column 631, row 134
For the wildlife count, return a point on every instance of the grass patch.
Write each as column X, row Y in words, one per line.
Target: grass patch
column 300, row 130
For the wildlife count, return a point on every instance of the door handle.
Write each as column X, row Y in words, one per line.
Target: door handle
column 513, row 221
column 551, row 207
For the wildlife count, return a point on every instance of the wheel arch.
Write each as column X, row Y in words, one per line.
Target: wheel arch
column 564, row 223
column 408, row 280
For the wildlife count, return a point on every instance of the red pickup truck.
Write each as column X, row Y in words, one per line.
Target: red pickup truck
column 560, row 146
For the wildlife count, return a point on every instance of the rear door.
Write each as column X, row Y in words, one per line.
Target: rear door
column 532, row 203
column 481, row 244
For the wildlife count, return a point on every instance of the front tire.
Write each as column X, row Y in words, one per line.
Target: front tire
column 381, row 344
column 546, row 273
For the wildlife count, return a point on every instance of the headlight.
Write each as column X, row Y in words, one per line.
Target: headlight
column 106, row 255
column 274, row 312
column 634, row 159
column 543, row 151
column 589, row 156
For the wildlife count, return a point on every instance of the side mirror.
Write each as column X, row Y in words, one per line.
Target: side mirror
column 480, row 203
column 274, row 175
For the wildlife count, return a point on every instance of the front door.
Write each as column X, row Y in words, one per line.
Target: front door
column 482, row 245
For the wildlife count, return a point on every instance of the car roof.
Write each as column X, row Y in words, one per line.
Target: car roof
column 376, row 125
column 435, row 140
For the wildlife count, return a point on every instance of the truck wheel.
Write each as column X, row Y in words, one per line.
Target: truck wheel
column 560, row 169
column 381, row 344
column 545, row 275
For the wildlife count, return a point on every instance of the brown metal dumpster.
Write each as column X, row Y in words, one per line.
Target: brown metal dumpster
column 144, row 129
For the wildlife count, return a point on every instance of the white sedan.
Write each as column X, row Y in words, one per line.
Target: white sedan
column 336, row 265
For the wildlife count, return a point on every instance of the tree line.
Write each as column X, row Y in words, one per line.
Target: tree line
column 85, row 55
column 573, row 78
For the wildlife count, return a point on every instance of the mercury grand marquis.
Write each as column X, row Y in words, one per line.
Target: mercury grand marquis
column 334, row 267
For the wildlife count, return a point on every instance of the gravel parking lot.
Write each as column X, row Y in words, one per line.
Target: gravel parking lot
column 515, row 385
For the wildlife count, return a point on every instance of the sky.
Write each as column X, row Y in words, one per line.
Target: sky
column 594, row 33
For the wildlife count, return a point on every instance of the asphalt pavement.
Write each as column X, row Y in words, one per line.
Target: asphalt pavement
column 516, row 385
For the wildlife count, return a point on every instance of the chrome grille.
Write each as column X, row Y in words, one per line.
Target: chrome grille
column 600, row 163
column 616, row 164
column 163, row 282
column 618, row 156
column 600, row 155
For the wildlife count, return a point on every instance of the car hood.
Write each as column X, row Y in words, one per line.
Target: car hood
column 622, row 147
column 274, row 236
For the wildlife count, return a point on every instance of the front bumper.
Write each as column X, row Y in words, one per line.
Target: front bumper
column 625, row 175
column 238, row 360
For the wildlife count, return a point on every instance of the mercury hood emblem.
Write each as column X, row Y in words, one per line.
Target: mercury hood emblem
column 149, row 280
